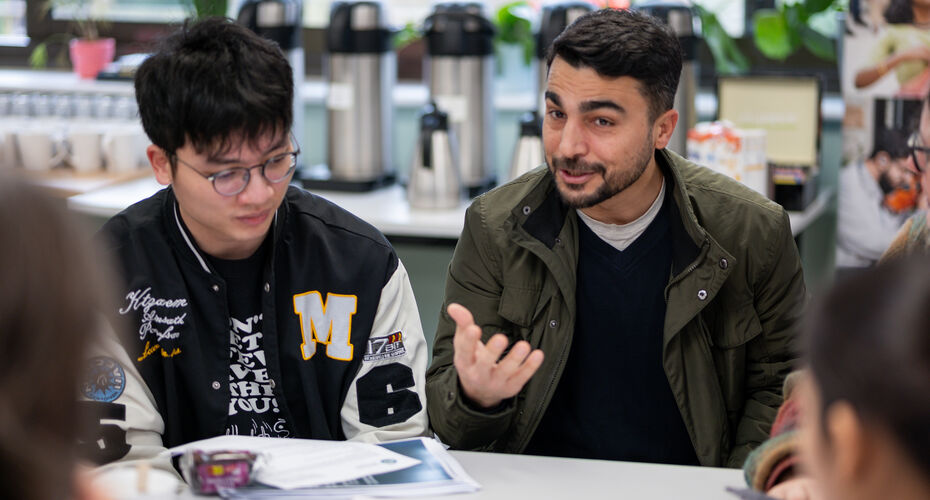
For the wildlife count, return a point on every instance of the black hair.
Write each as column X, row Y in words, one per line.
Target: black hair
column 899, row 12
column 211, row 81
column 868, row 343
column 893, row 142
column 619, row 43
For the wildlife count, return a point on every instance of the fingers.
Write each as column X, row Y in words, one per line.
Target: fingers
column 460, row 314
column 467, row 335
column 522, row 375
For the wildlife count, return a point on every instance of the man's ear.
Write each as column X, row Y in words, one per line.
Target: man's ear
column 850, row 441
column 160, row 164
column 663, row 127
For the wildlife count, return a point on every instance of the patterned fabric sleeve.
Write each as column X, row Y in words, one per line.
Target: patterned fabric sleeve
column 387, row 398
column 775, row 459
column 126, row 426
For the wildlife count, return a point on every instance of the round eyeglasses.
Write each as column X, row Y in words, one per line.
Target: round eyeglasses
column 919, row 152
column 233, row 181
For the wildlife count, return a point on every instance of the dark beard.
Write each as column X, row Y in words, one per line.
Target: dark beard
column 609, row 188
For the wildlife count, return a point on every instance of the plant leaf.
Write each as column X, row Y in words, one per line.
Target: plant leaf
column 39, row 56
column 815, row 6
column 771, row 34
column 728, row 59
column 819, row 45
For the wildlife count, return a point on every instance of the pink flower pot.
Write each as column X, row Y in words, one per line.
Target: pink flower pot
column 89, row 57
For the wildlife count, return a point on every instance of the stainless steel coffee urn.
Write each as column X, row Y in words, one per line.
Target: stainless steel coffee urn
column 280, row 21
column 681, row 18
column 459, row 70
column 528, row 152
column 434, row 175
column 359, row 108
column 555, row 18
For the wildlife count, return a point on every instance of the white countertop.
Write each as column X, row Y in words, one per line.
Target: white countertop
column 386, row 209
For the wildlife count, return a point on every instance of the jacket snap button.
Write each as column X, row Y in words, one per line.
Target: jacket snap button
column 724, row 264
column 215, row 288
column 267, row 287
column 553, row 323
column 526, row 210
column 216, row 385
column 702, row 294
column 450, row 396
column 558, row 241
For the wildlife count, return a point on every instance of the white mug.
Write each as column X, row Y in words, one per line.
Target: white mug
column 123, row 149
column 9, row 151
column 40, row 149
column 86, row 150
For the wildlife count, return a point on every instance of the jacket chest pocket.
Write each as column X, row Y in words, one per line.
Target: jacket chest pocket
column 733, row 327
column 522, row 307
column 730, row 333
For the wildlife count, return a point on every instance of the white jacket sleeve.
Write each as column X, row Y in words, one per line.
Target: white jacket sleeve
column 387, row 398
column 125, row 423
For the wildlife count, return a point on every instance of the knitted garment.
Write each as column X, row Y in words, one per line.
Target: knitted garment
column 774, row 460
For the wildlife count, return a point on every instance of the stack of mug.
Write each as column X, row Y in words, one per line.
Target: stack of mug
column 88, row 133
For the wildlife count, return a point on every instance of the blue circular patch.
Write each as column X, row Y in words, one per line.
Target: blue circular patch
column 105, row 380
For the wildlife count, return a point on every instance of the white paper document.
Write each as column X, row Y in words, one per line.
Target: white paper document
column 436, row 474
column 303, row 463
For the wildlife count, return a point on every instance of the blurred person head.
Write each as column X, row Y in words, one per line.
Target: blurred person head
column 215, row 100
column 888, row 165
column 611, row 88
column 50, row 300
column 866, row 405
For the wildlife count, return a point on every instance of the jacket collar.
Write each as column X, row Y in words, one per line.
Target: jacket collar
column 548, row 214
column 183, row 240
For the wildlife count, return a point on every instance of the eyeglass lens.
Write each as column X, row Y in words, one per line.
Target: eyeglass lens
column 234, row 180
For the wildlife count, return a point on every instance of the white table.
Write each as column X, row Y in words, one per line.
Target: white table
column 386, row 209
column 511, row 477
column 508, row 477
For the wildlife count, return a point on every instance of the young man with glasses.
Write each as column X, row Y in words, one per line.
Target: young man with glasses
column 252, row 307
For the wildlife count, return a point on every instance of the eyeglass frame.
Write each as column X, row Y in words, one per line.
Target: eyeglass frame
column 914, row 144
column 248, row 170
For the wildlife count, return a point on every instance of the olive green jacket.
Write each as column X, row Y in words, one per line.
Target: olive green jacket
column 734, row 296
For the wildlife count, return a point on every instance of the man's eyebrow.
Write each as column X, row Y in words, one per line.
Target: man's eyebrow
column 600, row 104
column 552, row 96
column 218, row 159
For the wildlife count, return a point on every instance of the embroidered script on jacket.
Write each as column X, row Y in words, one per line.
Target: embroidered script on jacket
column 162, row 326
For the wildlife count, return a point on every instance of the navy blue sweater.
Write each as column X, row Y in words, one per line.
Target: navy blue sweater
column 613, row 400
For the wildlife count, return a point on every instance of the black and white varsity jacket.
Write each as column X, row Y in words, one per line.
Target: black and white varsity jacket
column 342, row 335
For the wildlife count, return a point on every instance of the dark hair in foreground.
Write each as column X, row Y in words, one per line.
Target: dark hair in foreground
column 210, row 80
column 868, row 343
column 619, row 43
column 50, row 303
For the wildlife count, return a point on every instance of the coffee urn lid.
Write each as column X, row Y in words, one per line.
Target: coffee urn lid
column 459, row 29
column 555, row 18
column 276, row 20
column 357, row 27
column 433, row 118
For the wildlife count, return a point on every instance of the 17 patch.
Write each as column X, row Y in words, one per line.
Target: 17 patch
column 105, row 380
column 390, row 346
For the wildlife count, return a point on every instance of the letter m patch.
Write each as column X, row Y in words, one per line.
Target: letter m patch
column 328, row 323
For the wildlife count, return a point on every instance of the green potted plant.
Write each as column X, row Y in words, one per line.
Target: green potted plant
column 89, row 52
